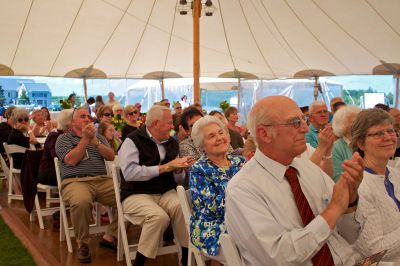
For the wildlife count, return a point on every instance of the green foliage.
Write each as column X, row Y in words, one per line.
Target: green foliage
column 65, row 104
column 2, row 96
column 223, row 105
column 118, row 122
column 357, row 96
column 12, row 252
column 24, row 99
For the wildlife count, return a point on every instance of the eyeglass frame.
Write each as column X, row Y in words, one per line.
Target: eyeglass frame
column 381, row 133
column 295, row 122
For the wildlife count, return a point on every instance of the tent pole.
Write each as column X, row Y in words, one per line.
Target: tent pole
column 196, row 49
column 162, row 89
column 238, row 107
column 316, row 89
column 396, row 101
column 85, row 89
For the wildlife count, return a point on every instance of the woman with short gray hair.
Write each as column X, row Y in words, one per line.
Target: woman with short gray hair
column 374, row 137
column 341, row 125
column 208, row 179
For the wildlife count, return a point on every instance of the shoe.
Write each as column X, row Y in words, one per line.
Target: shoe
column 109, row 244
column 84, row 254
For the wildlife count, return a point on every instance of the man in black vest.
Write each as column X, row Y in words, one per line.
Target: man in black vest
column 150, row 169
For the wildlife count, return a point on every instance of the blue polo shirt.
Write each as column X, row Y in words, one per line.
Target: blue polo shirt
column 312, row 136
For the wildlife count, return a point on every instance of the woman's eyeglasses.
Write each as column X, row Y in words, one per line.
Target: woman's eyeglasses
column 381, row 134
column 20, row 120
column 108, row 114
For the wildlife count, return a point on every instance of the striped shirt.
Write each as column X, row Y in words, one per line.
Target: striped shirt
column 91, row 165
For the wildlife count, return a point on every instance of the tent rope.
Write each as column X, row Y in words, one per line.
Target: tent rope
column 66, row 37
column 346, row 32
column 22, row 33
column 255, row 41
column 289, row 50
column 141, row 37
column 383, row 18
column 112, row 33
column 316, row 38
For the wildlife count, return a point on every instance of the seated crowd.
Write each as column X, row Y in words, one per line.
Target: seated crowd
column 293, row 187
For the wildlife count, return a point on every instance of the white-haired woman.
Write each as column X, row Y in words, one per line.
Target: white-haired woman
column 208, row 179
column 375, row 138
column 341, row 125
column 47, row 171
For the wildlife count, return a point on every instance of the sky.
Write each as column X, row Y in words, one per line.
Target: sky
column 65, row 86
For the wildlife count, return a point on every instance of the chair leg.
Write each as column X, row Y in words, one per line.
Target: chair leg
column 64, row 229
column 48, row 196
column 39, row 212
column 120, row 250
column 10, row 187
column 125, row 243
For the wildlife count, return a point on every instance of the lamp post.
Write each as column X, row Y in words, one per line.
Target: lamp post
column 196, row 6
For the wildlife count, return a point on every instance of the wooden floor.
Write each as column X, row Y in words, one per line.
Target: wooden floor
column 49, row 240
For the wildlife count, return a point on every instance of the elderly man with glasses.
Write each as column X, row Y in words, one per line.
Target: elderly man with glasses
column 82, row 152
column 281, row 209
column 319, row 117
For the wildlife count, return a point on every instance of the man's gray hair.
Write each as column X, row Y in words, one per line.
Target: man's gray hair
column 254, row 119
column 197, row 129
column 339, row 121
column 17, row 113
column 315, row 104
column 64, row 119
column 155, row 113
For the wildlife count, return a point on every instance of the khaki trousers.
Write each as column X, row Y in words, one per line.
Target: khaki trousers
column 80, row 194
column 154, row 213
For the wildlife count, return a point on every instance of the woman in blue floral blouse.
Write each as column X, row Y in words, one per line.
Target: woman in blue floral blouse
column 208, row 179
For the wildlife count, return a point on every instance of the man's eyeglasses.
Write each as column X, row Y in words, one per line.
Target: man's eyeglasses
column 132, row 113
column 294, row 122
column 20, row 120
column 322, row 112
column 380, row 134
column 108, row 114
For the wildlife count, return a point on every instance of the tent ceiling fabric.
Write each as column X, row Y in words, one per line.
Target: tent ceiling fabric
column 268, row 38
column 161, row 75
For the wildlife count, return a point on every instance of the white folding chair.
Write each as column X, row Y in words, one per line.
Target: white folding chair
column 230, row 250
column 123, row 245
column 5, row 170
column 41, row 212
column 13, row 173
column 66, row 232
column 185, row 200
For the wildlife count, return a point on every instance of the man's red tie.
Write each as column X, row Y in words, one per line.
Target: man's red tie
column 324, row 256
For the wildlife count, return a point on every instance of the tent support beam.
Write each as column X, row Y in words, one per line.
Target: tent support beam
column 196, row 49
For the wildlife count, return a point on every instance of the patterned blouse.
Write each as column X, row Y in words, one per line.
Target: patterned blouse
column 207, row 183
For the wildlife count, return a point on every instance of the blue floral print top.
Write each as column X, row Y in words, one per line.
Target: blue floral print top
column 207, row 183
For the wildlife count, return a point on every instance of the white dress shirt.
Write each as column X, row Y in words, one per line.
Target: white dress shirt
column 263, row 219
column 379, row 217
column 128, row 155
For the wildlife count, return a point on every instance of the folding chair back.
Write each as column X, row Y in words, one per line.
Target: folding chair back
column 124, row 248
column 10, row 150
column 185, row 200
column 230, row 250
column 66, row 232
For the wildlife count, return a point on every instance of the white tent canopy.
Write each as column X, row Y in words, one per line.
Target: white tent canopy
column 268, row 38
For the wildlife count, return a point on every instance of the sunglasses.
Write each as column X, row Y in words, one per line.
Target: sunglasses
column 108, row 114
column 20, row 120
column 132, row 113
